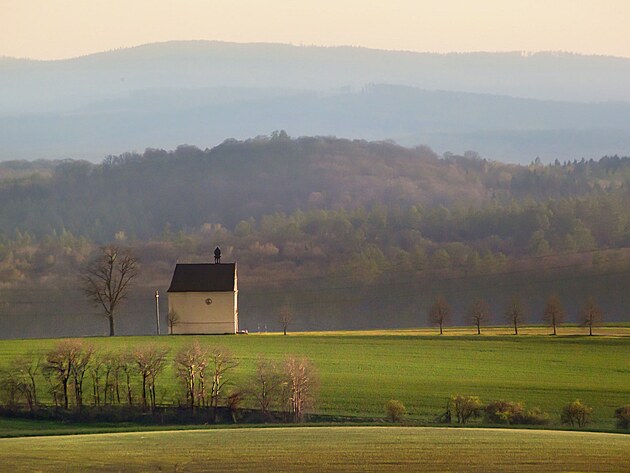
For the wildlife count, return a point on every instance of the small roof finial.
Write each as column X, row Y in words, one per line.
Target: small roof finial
column 217, row 255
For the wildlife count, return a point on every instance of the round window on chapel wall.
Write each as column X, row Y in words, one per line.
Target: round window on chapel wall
column 208, row 301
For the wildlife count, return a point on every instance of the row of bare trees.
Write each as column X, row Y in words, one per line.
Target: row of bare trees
column 64, row 370
column 204, row 380
column 515, row 314
column 202, row 372
column 66, row 365
column 287, row 386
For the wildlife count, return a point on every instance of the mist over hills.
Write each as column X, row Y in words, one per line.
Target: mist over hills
column 197, row 64
column 507, row 106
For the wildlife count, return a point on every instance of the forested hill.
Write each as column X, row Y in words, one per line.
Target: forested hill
column 316, row 216
column 144, row 195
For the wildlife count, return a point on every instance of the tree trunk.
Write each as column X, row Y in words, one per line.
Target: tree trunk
column 95, row 391
column 29, row 400
column 515, row 328
column 478, row 328
column 129, row 393
column 106, row 389
column 78, row 395
column 144, row 391
column 65, row 394
column 590, row 330
column 152, row 394
column 191, row 393
column 34, row 389
column 117, row 390
column 440, row 328
column 554, row 328
column 110, row 318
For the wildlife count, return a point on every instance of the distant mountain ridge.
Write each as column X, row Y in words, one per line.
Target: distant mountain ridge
column 192, row 64
column 202, row 92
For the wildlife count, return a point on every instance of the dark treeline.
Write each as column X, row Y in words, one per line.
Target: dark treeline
column 324, row 219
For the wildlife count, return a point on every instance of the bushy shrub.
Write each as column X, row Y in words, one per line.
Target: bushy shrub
column 506, row 412
column 466, row 407
column 536, row 416
column 576, row 413
column 395, row 410
column 622, row 415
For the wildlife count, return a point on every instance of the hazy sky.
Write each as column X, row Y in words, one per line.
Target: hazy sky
column 50, row 29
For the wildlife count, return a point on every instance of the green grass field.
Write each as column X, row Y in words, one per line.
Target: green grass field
column 359, row 372
column 322, row 449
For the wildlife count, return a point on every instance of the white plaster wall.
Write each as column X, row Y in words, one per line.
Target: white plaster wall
column 195, row 316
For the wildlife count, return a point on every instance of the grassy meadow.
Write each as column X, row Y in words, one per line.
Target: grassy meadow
column 360, row 371
column 322, row 449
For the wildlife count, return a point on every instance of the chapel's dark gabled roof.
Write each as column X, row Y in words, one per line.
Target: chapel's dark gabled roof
column 203, row 277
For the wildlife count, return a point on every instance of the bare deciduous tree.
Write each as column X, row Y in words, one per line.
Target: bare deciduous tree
column 80, row 364
column 105, row 367
column 191, row 362
column 58, row 367
column 301, row 380
column 265, row 386
column 18, row 381
column 96, row 372
column 126, row 364
column 9, row 386
column 27, row 367
column 107, row 279
column 285, row 317
column 112, row 367
column 515, row 313
column 221, row 361
column 591, row 314
column 439, row 313
column 173, row 319
column 150, row 361
column 554, row 313
column 479, row 313
column 67, row 364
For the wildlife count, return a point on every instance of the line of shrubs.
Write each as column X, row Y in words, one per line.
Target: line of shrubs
column 462, row 408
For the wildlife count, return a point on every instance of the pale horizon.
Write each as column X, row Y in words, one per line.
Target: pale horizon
column 303, row 45
column 71, row 28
